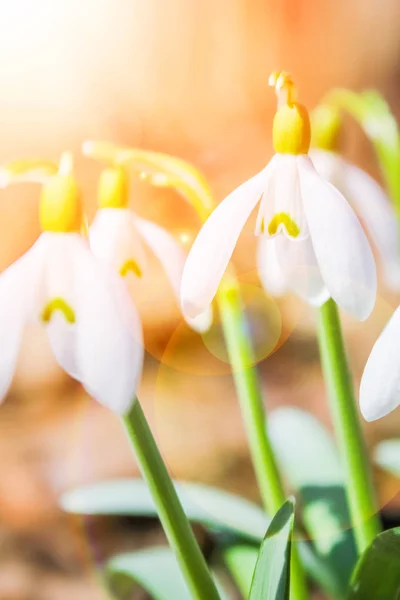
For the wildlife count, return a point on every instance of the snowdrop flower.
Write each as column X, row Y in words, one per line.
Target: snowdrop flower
column 86, row 311
column 307, row 227
column 118, row 237
column 366, row 196
column 380, row 383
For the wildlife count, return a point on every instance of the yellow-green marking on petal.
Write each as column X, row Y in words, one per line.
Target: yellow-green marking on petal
column 130, row 266
column 61, row 305
column 286, row 220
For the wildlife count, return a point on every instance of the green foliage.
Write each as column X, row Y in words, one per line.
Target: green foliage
column 377, row 575
column 271, row 580
column 216, row 509
column 308, row 457
column 156, row 570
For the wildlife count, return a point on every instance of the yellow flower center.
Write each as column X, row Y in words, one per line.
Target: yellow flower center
column 291, row 132
column 286, row 220
column 61, row 305
column 130, row 266
column 113, row 190
column 61, row 207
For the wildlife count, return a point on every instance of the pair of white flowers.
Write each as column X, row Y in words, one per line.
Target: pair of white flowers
column 75, row 288
column 311, row 240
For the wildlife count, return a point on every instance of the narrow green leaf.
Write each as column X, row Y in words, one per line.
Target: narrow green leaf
column 377, row 574
column 373, row 113
column 241, row 560
column 156, row 570
column 209, row 506
column 308, row 457
column 387, row 456
column 271, row 580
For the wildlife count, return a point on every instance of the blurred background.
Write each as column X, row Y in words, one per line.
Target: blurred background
column 188, row 77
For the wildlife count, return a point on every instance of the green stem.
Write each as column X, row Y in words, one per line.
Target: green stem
column 170, row 511
column 359, row 488
column 251, row 403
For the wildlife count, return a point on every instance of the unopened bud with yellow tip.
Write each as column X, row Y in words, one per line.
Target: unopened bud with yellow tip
column 291, row 128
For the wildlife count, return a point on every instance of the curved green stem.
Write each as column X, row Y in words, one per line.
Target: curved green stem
column 359, row 488
column 253, row 412
column 169, row 508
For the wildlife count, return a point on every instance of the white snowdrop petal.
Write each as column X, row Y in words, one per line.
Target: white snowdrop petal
column 16, row 291
column 378, row 216
column 269, row 269
column 329, row 165
column 109, row 345
column 114, row 239
column 58, row 297
column 341, row 247
column 301, row 271
column 380, row 383
column 214, row 245
column 285, row 214
column 172, row 258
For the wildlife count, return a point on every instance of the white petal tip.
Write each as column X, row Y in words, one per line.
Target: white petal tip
column 202, row 322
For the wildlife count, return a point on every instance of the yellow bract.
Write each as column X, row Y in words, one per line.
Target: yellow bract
column 61, row 208
column 130, row 266
column 291, row 131
column 286, row 220
column 61, row 305
column 113, row 190
column 161, row 170
column 326, row 123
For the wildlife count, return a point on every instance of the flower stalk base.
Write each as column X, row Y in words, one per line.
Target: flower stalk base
column 252, row 407
column 174, row 521
column 358, row 480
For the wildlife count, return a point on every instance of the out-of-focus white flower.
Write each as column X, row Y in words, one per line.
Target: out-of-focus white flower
column 372, row 206
column 380, row 383
column 311, row 240
column 117, row 235
column 85, row 308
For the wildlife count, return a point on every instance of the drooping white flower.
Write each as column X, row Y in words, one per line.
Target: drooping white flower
column 118, row 237
column 380, row 383
column 85, row 308
column 372, row 206
column 307, row 227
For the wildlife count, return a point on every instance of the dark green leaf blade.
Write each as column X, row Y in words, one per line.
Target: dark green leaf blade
column 209, row 506
column 377, row 574
column 271, row 580
column 308, row 458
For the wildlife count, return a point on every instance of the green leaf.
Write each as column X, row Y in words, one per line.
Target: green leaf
column 271, row 580
column 209, row 506
column 377, row 574
column 156, row 570
column 373, row 113
column 241, row 560
column 387, row 456
column 308, row 457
